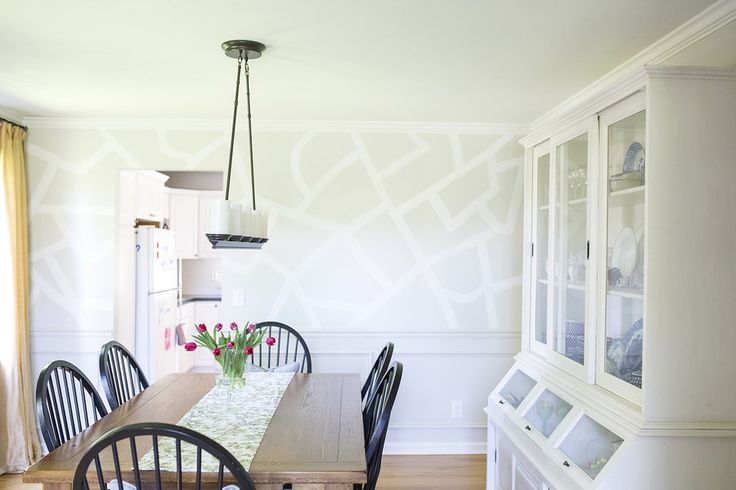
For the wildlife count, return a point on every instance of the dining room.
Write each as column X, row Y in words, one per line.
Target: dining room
column 382, row 245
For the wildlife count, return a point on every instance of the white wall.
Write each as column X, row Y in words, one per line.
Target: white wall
column 409, row 233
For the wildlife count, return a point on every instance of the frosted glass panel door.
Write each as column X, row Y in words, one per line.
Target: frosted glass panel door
column 541, row 246
column 571, row 198
column 517, row 388
column 547, row 412
column 626, row 166
column 590, row 445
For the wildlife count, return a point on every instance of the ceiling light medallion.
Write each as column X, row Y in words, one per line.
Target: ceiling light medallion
column 232, row 225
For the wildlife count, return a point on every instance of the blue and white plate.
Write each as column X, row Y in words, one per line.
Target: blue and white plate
column 634, row 159
column 633, row 344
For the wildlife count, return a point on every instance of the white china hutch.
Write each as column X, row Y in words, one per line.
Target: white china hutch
column 627, row 374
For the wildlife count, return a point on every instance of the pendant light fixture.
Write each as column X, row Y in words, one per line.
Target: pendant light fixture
column 233, row 225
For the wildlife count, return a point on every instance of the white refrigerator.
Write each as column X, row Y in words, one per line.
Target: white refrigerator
column 156, row 302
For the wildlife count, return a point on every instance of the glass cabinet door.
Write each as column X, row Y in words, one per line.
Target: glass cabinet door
column 571, row 165
column 589, row 445
column 540, row 256
column 517, row 388
column 547, row 412
column 624, row 136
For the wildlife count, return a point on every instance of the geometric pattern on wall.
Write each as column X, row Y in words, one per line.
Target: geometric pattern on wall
column 370, row 230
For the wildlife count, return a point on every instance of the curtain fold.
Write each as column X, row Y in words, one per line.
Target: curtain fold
column 19, row 444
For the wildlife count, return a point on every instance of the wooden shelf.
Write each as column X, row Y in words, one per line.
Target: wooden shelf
column 570, row 285
column 627, row 196
column 575, row 202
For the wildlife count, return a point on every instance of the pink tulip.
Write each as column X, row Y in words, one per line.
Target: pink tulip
column 218, row 327
column 230, row 344
column 201, row 327
column 190, row 346
column 270, row 341
column 251, row 328
column 216, row 351
column 233, row 326
column 248, row 350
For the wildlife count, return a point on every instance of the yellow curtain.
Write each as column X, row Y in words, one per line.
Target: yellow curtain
column 19, row 444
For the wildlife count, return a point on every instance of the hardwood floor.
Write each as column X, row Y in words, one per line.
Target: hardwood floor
column 456, row 472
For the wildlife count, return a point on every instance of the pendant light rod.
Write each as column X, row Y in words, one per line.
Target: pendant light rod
column 242, row 50
column 250, row 133
column 232, row 132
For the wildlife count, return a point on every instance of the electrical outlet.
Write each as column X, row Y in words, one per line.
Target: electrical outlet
column 238, row 298
column 456, row 409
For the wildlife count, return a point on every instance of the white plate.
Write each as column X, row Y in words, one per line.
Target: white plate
column 624, row 252
column 640, row 249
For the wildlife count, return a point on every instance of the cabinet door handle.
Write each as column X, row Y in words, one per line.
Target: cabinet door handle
column 566, row 464
column 528, row 428
column 500, row 402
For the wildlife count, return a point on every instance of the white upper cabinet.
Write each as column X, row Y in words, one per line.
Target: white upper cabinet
column 184, row 221
column 189, row 215
column 152, row 201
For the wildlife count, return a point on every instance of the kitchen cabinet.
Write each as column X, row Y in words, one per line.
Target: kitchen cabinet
column 207, row 312
column 189, row 218
column 184, row 220
column 627, row 316
column 152, row 202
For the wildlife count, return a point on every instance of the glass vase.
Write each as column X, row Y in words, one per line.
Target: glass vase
column 232, row 362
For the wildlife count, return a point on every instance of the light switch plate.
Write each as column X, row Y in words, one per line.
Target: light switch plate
column 238, row 298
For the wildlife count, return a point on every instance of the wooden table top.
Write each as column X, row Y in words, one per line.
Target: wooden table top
column 315, row 437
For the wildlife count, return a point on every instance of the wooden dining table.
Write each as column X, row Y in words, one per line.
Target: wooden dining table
column 314, row 440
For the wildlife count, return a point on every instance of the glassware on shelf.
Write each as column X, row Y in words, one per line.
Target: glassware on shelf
column 547, row 412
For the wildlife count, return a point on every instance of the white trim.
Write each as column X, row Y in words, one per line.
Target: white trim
column 706, row 22
column 691, row 72
column 688, row 429
column 331, row 333
column 307, row 126
column 11, row 115
column 425, row 334
column 434, row 447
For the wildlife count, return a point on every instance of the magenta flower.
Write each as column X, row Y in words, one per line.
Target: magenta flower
column 248, row 350
column 216, row 351
column 251, row 327
column 270, row 341
column 233, row 326
column 218, row 327
column 230, row 344
column 190, row 346
column 201, row 327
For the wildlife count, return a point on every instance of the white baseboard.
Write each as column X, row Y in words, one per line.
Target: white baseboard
column 435, row 448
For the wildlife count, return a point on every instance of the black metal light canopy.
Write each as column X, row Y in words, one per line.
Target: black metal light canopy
column 243, row 51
